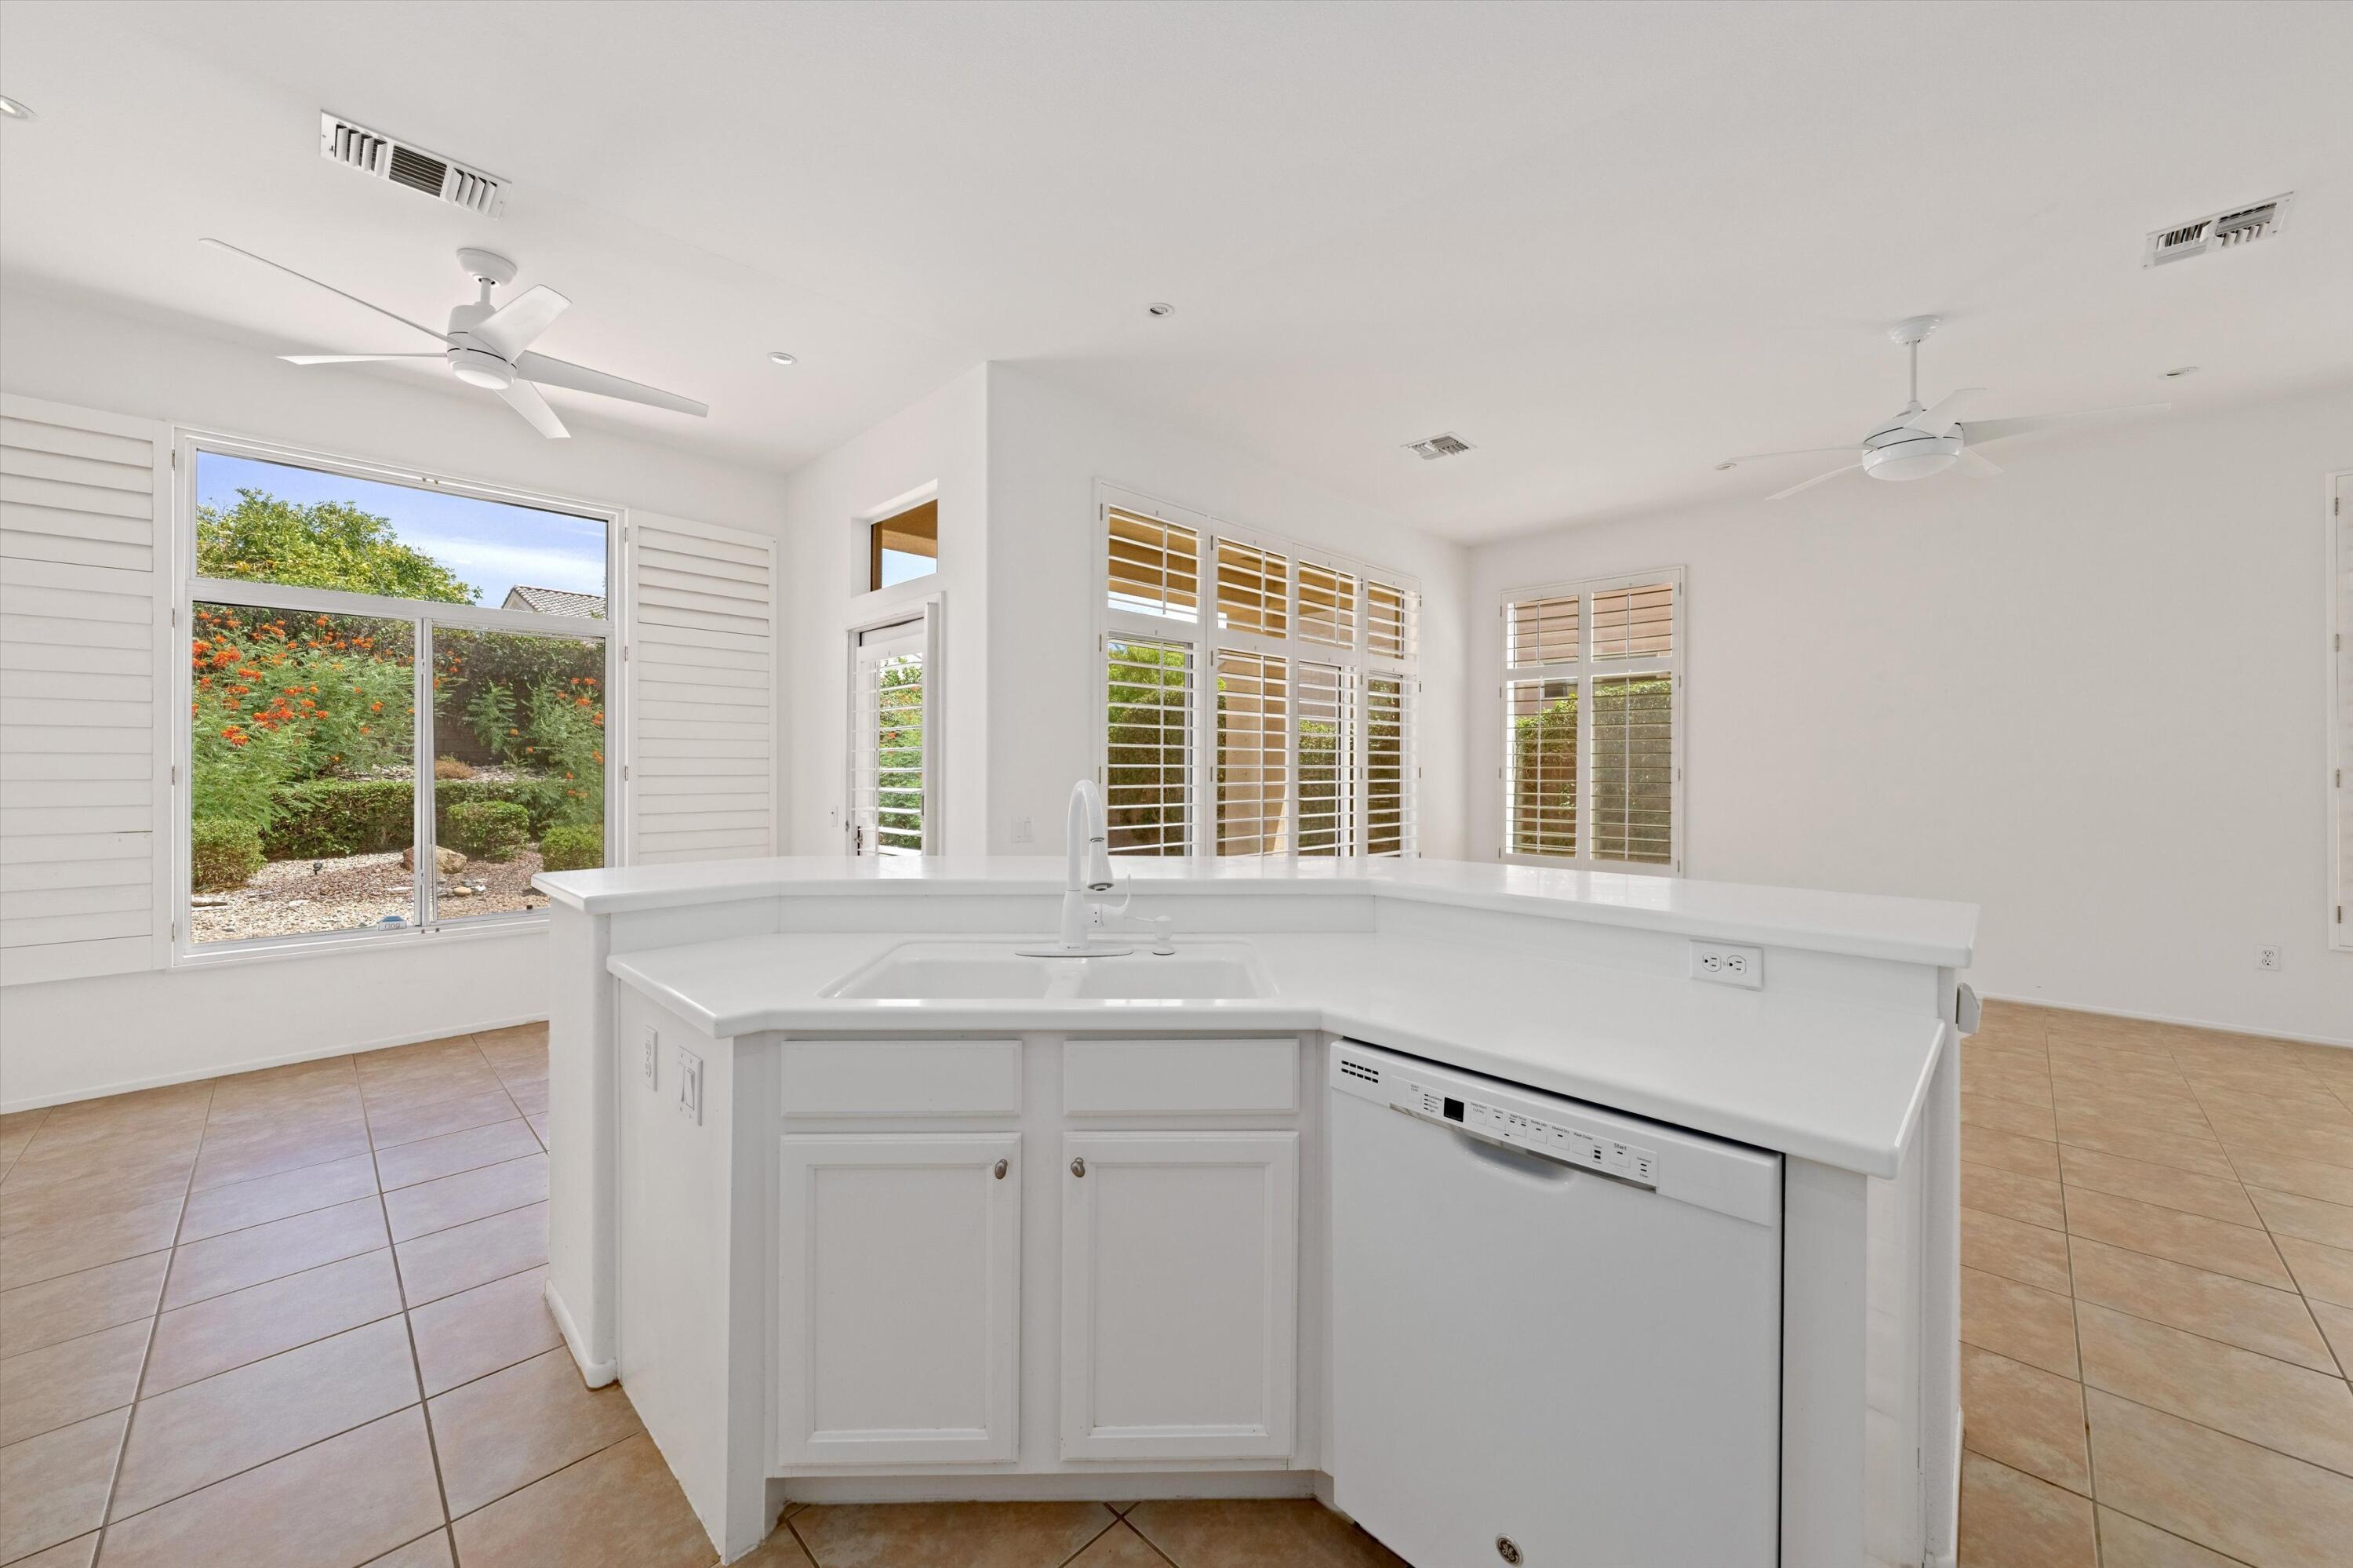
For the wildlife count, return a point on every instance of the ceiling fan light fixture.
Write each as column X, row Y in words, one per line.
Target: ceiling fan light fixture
column 1915, row 458
column 478, row 367
column 779, row 356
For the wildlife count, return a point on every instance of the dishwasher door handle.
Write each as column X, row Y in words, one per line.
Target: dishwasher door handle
column 1524, row 1163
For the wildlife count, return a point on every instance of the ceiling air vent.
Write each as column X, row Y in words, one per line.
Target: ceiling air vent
column 2218, row 231
column 374, row 152
column 1448, row 445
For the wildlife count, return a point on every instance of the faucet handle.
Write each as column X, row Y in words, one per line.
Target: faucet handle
column 1164, row 939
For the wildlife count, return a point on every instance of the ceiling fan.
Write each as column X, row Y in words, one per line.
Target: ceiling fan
column 490, row 345
column 1920, row 442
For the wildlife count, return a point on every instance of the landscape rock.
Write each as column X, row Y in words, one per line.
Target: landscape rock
column 446, row 861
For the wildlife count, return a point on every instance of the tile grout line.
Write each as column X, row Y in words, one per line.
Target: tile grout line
column 2310, row 1316
column 408, row 1324
column 147, row 1355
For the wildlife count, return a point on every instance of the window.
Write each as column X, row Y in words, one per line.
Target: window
column 1592, row 768
column 904, row 546
column 396, row 698
column 1308, row 726
column 887, row 793
column 893, row 747
column 2340, row 591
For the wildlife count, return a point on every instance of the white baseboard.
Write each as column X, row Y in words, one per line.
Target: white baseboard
column 596, row 1374
column 2164, row 1018
column 1089, row 1486
column 255, row 1064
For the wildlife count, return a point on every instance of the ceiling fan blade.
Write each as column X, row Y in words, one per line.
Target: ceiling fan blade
column 1938, row 419
column 563, row 373
column 265, row 261
column 1977, row 465
column 512, row 328
column 1809, row 484
column 1980, row 431
column 524, row 399
column 352, row 358
column 1796, row 451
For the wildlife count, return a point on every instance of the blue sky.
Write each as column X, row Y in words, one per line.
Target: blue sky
column 490, row 545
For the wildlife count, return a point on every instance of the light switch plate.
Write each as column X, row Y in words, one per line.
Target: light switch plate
column 690, row 1087
column 649, row 1057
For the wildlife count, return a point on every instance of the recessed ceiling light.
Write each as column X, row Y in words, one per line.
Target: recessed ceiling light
column 16, row 111
column 779, row 356
column 1161, row 308
column 2180, row 370
column 1726, row 464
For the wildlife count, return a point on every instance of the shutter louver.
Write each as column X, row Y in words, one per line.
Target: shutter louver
column 1253, row 769
column 887, row 794
column 1391, row 797
column 702, row 697
column 1148, row 783
column 85, row 850
column 1325, row 742
column 1154, row 567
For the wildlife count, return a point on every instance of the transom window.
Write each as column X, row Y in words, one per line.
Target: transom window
column 1281, row 723
column 1592, row 766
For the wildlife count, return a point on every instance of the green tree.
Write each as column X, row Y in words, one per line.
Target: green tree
column 326, row 545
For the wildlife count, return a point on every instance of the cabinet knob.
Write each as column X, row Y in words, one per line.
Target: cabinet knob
column 1000, row 1170
column 1079, row 1166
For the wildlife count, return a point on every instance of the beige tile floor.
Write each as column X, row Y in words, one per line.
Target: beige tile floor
column 2157, row 1296
column 291, row 1319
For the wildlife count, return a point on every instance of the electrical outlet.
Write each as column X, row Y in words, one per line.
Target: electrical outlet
column 1022, row 833
column 690, row 1087
column 2267, row 957
column 649, row 1057
column 1727, row 965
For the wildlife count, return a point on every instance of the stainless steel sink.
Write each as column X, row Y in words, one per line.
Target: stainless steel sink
column 986, row 971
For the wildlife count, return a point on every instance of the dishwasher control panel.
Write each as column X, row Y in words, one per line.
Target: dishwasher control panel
column 1589, row 1147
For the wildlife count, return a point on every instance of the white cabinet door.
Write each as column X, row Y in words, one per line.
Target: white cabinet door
column 900, row 1304
column 1180, row 1269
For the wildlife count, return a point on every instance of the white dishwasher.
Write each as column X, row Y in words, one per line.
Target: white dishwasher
column 1556, row 1330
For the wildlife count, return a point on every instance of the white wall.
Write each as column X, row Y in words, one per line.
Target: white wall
column 69, row 1038
column 941, row 438
column 2090, row 695
column 1047, row 448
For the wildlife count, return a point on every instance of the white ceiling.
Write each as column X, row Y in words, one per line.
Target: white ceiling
column 1608, row 244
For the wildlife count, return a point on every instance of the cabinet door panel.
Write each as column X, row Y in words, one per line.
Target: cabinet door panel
column 899, row 1297
column 1179, row 1295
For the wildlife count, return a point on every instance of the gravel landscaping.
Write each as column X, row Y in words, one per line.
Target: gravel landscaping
column 287, row 897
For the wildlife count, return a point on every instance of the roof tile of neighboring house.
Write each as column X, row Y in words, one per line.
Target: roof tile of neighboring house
column 555, row 601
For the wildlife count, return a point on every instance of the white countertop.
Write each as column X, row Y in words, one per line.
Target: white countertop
column 1835, row 1082
column 1907, row 930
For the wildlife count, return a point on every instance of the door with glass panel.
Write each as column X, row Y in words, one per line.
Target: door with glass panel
column 889, row 743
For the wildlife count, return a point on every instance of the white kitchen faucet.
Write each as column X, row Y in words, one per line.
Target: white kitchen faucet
column 1087, row 884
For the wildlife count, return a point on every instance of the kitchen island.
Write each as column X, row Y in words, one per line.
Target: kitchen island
column 842, row 1243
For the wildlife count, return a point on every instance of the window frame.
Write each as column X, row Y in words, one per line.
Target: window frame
column 1583, row 670
column 930, row 610
column 2337, row 515
column 189, row 589
column 1207, row 640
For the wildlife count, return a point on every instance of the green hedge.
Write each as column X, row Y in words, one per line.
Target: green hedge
column 564, row 848
column 223, row 853
column 321, row 819
column 489, row 829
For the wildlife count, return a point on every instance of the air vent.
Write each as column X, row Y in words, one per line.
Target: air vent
column 374, row 152
column 1448, row 445
column 2218, row 231
column 1356, row 1069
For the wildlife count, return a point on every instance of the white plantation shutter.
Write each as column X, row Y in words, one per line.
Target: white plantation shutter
column 2341, row 707
column 1592, row 770
column 85, row 640
column 700, row 700
column 890, row 743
